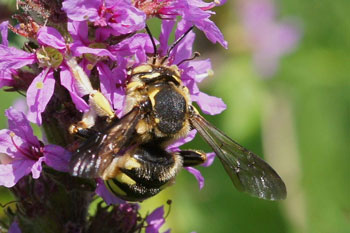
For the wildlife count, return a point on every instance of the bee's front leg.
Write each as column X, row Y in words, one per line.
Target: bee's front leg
column 192, row 157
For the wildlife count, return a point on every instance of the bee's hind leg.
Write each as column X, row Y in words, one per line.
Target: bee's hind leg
column 192, row 157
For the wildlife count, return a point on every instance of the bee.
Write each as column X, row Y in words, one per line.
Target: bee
column 130, row 154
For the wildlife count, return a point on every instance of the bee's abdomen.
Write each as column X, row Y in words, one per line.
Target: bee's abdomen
column 156, row 168
column 131, row 192
column 170, row 109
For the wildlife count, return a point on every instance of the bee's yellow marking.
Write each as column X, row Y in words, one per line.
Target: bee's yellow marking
column 177, row 78
column 131, row 163
column 151, row 76
column 152, row 94
column 133, row 85
column 142, row 69
column 100, row 104
column 142, row 127
column 123, row 178
column 39, row 85
column 114, row 188
column 175, row 69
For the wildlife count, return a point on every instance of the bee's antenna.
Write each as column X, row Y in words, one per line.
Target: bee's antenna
column 175, row 43
column 154, row 45
column 195, row 55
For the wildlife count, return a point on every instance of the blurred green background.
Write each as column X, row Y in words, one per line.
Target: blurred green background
column 298, row 120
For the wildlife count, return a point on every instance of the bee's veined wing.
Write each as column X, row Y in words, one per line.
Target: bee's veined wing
column 98, row 151
column 248, row 172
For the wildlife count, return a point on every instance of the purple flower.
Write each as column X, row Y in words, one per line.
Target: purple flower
column 155, row 221
column 269, row 39
column 11, row 58
column 193, row 12
column 114, row 17
column 196, row 13
column 3, row 32
column 22, row 153
column 197, row 174
column 51, row 56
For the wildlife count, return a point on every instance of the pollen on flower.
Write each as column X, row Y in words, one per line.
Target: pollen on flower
column 89, row 66
column 12, row 134
column 39, row 85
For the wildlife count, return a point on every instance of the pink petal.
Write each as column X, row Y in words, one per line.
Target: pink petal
column 210, row 159
column 78, row 31
column 19, row 124
column 6, row 144
column 209, row 104
column 57, row 157
column 184, row 48
column 13, row 58
column 11, row 173
column 197, row 174
column 9, row 144
column 37, row 168
column 4, row 32
column 39, row 94
column 155, row 220
column 167, row 27
column 7, row 176
column 201, row 69
column 183, row 141
column 81, row 10
column 68, row 82
column 50, row 36
column 6, row 78
column 107, row 196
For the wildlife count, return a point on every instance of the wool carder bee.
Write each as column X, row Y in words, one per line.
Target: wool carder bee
column 130, row 154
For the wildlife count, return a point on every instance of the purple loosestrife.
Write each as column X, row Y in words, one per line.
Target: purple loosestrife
column 75, row 51
column 50, row 57
column 22, row 153
column 193, row 12
column 155, row 221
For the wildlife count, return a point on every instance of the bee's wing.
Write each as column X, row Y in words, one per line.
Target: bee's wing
column 248, row 172
column 98, row 151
